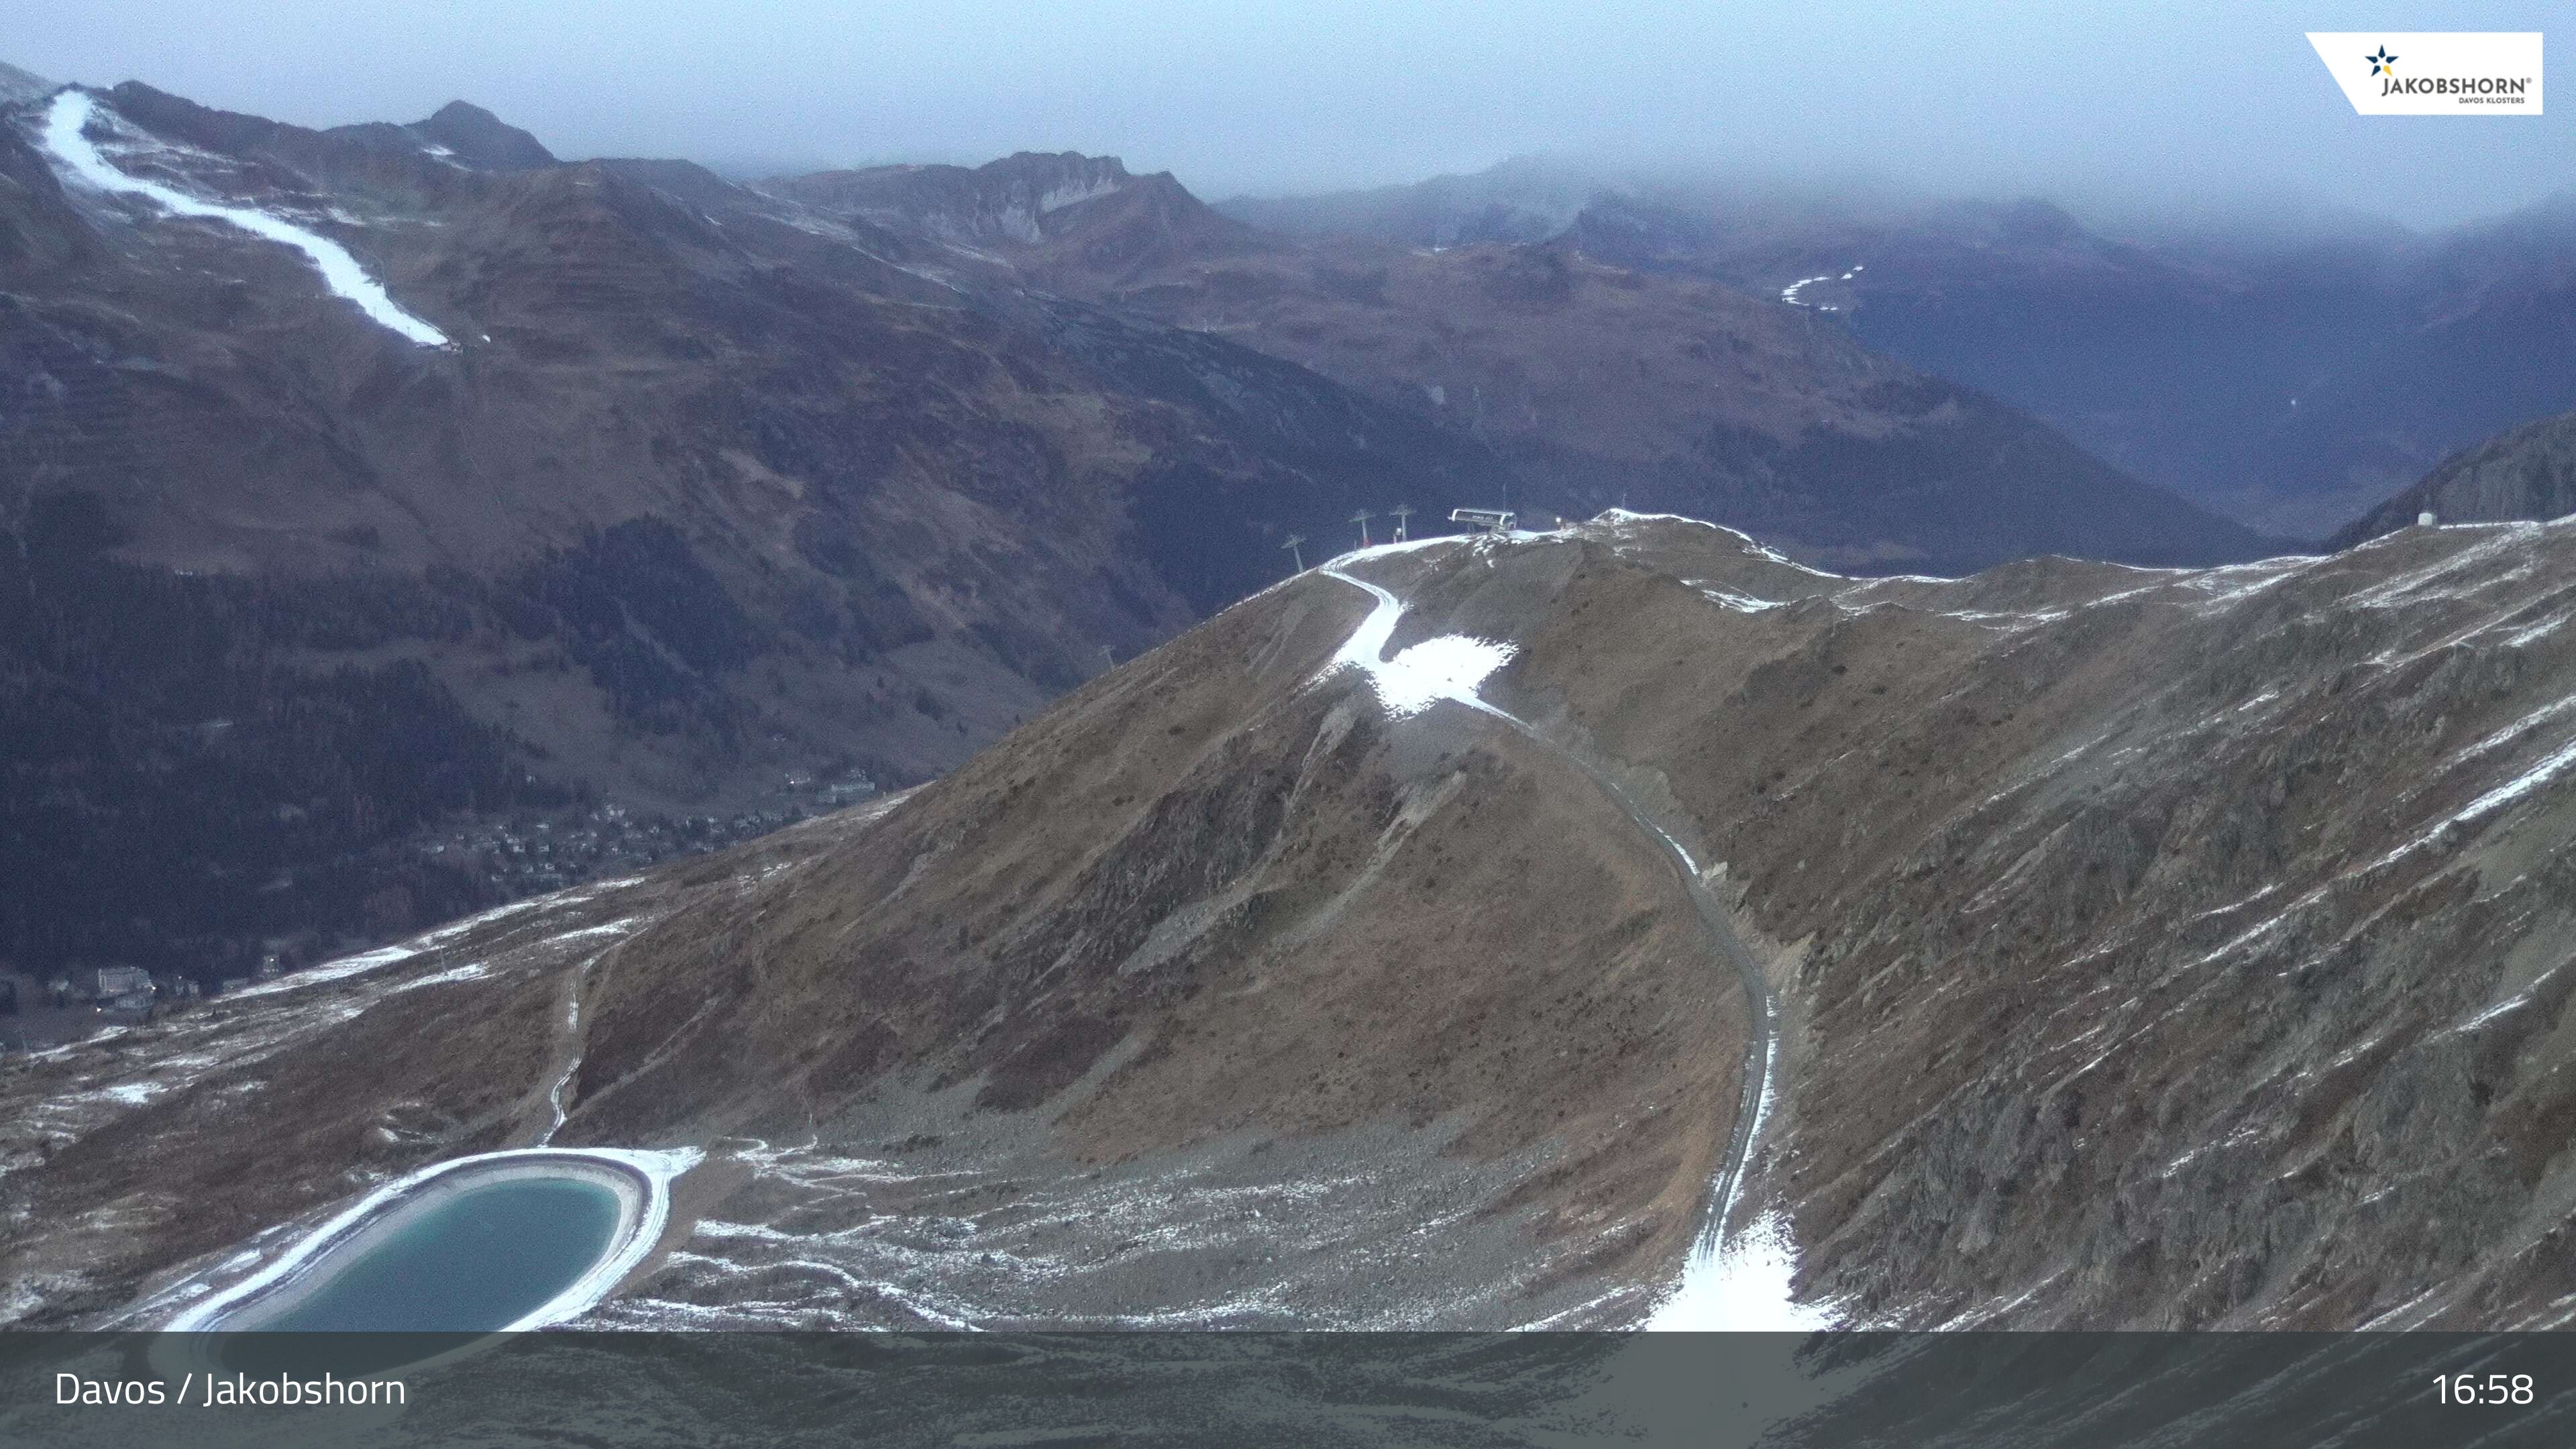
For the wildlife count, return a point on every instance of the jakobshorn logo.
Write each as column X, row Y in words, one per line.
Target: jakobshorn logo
column 2447, row 73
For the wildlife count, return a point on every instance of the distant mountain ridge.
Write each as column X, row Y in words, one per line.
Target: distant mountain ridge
column 1594, row 384
column 462, row 133
column 1524, row 199
column 2290, row 376
column 2526, row 474
column 1081, row 211
column 20, row 85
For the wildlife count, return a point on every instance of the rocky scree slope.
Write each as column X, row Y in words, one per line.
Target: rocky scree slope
column 2152, row 949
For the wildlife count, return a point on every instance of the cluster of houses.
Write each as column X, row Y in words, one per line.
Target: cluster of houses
column 41, row 1011
column 523, row 857
column 530, row 855
column 37, row 1012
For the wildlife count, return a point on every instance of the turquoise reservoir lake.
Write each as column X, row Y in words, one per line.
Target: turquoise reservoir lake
column 478, row 1261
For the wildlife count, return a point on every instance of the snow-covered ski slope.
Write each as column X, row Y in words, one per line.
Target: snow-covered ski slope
column 66, row 122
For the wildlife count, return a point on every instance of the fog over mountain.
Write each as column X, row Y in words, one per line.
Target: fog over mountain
column 2126, row 108
column 2290, row 370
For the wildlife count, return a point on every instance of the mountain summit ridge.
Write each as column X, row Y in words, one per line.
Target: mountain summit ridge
column 21, row 85
column 1087, row 211
column 481, row 139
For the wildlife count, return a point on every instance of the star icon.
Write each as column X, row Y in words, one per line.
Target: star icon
column 2382, row 63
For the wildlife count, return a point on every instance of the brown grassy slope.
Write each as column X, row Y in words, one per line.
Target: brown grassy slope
column 2155, row 949
column 1251, row 907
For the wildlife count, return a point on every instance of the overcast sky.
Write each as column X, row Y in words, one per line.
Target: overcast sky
column 2155, row 104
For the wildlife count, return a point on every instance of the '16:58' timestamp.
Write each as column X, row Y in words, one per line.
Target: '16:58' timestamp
column 2484, row 1388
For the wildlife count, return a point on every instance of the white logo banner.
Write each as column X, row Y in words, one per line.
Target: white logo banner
column 2434, row 73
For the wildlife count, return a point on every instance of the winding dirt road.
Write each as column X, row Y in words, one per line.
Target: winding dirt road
column 1762, row 1008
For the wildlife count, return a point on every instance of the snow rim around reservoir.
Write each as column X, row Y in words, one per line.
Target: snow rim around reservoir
column 640, row 1178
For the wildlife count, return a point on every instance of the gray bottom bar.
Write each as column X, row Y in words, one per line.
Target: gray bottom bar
column 273, row 1391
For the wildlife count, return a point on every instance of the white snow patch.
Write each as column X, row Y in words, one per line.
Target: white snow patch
column 2523, row 785
column 2515, row 1002
column 2531, row 634
column 1742, row 1288
column 2543, row 773
column 1740, row 603
column 1450, row 666
column 72, row 110
column 471, row 971
column 2219, row 586
column 571, row 897
column 1752, row 545
column 1789, row 293
column 2006, row 619
column 555, row 1095
column 2408, row 585
column 1059, row 197
column 624, row 927
column 2516, row 730
column 2238, row 905
column 329, row 971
